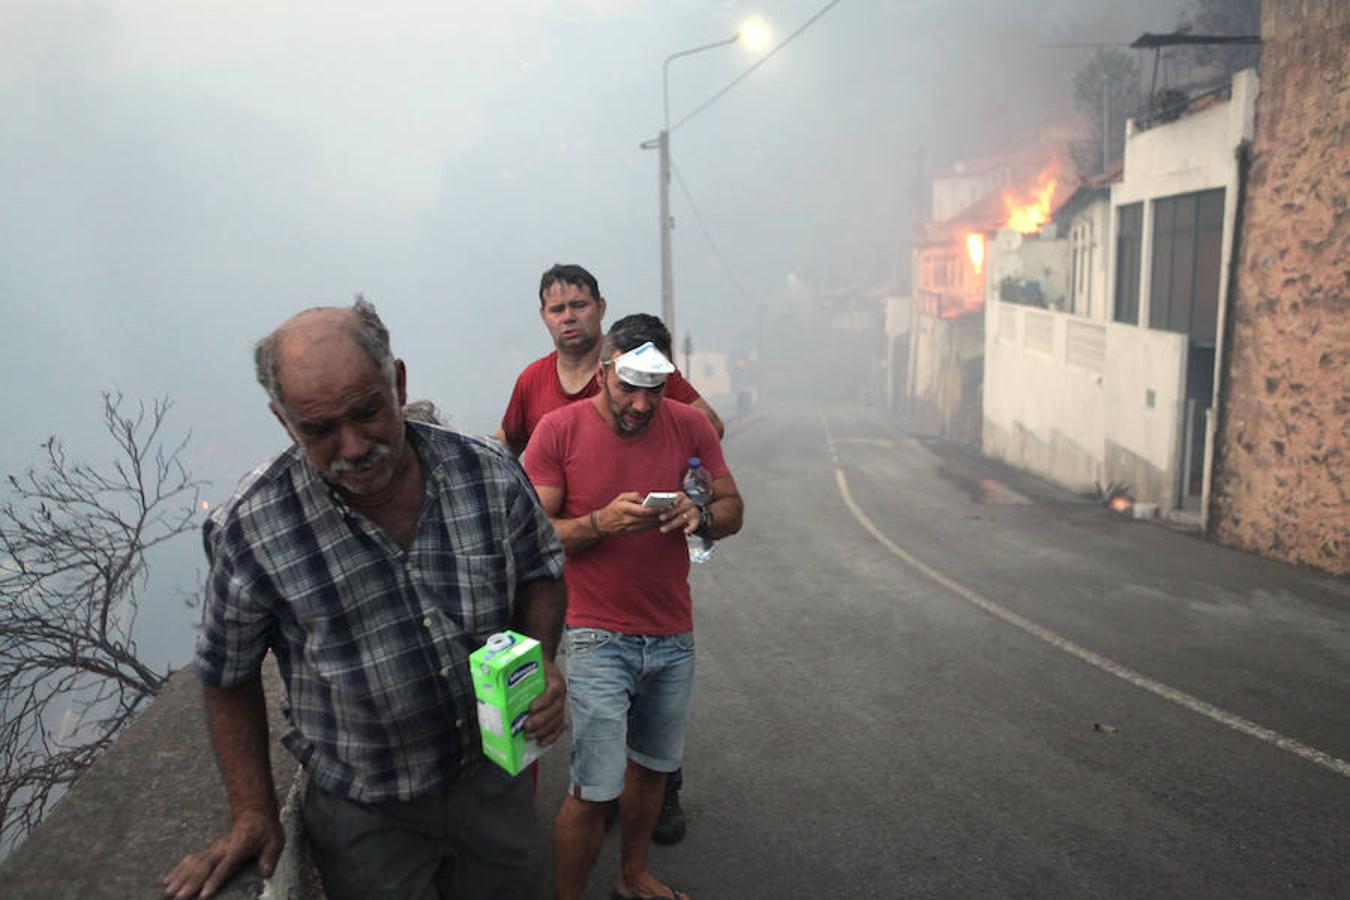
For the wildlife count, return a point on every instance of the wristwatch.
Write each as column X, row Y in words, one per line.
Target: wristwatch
column 705, row 521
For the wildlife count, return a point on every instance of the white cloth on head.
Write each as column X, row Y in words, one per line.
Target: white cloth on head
column 644, row 366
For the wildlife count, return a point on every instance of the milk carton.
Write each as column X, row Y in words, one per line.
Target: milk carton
column 508, row 674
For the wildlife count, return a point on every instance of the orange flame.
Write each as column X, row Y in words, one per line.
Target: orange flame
column 975, row 250
column 1027, row 212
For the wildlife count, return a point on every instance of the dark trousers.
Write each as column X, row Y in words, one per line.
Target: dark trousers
column 472, row 839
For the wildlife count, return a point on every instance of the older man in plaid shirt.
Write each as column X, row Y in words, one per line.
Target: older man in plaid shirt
column 371, row 557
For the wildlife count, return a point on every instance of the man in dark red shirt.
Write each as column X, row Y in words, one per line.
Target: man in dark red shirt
column 572, row 309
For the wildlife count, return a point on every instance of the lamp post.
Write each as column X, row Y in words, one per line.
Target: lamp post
column 754, row 33
column 663, row 145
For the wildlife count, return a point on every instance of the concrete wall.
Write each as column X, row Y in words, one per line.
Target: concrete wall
column 1084, row 403
column 948, row 374
column 154, row 796
column 1144, row 384
column 899, row 317
column 1282, row 456
column 1042, row 412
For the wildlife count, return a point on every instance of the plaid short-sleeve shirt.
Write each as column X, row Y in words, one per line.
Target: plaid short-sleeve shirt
column 372, row 638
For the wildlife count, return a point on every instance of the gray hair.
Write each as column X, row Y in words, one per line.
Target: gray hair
column 366, row 330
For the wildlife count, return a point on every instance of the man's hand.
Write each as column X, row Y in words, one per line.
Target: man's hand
column 683, row 516
column 252, row 835
column 625, row 514
column 546, row 719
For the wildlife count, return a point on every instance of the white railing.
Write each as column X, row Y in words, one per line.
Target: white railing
column 1085, row 344
column 1038, row 331
column 1070, row 340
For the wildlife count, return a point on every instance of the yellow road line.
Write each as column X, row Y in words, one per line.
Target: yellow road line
column 1181, row 698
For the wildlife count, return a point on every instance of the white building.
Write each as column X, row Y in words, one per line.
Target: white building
column 710, row 375
column 1112, row 379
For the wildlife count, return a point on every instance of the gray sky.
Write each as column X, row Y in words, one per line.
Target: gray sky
column 177, row 178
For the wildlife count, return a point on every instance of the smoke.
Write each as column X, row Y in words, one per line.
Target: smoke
column 179, row 179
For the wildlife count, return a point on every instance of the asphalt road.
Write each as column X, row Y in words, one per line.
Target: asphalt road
column 922, row 674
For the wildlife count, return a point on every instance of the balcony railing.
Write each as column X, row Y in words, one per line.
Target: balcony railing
column 1069, row 339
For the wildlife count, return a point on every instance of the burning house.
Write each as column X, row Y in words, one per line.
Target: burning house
column 971, row 203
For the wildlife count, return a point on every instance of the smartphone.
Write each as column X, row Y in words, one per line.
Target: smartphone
column 660, row 499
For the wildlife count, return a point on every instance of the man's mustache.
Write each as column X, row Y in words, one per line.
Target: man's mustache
column 378, row 453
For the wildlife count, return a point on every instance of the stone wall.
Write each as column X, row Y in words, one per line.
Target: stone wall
column 1282, row 447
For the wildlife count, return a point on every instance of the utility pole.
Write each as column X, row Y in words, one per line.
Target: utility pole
column 667, row 285
column 663, row 145
column 922, row 214
column 759, row 342
column 1106, row 123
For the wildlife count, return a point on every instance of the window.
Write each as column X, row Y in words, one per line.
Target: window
column 944, row 271
column 1080, row 271
column 1184, row 282
column 1128, row 246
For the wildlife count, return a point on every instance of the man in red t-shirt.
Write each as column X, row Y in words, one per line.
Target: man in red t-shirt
column 629, row 635
column 572, row 310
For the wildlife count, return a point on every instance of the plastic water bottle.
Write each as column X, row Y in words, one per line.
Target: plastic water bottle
column 697, row 484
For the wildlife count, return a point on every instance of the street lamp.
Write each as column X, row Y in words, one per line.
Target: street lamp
column 753, row 33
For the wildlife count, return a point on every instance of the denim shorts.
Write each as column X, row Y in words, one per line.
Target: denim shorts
column 628, row 696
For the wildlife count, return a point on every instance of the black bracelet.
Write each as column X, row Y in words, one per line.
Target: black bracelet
column 705, row 521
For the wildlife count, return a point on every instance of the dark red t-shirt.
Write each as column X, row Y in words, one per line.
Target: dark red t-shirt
column 632, row 583
column 538, row 392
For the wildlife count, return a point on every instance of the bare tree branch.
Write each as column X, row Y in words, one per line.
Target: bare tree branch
column 73, row 541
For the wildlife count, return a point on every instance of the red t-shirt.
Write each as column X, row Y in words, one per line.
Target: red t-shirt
column 538, row 392
column 632, row 583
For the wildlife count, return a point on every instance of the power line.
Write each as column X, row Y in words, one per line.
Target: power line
column 761, row 61
column 1154, row 41
column 707, row 235
column 684, row 188
column 1083, row 45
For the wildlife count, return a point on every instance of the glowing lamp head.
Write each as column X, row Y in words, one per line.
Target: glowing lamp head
column 754, row 33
